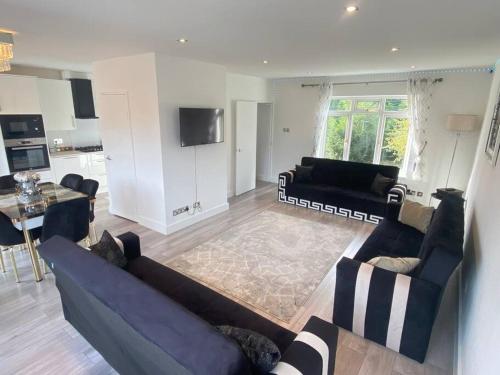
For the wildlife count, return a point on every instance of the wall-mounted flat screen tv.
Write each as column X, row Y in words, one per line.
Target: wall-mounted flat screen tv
column 201, row 126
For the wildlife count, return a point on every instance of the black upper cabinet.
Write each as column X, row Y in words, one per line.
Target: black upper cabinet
column 83, row 100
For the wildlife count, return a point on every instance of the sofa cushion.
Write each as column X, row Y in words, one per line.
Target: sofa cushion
column 445, row 231
column 416, row 215
column 395, row 264
column 348, row 174
column 381, row 185
column 111, row 249
column 303, row 174
column 205, row 302
column 262, row 353
column 391, row 238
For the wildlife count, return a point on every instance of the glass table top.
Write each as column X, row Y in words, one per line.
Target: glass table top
column 51, row 193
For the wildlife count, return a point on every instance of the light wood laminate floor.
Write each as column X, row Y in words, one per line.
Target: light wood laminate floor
column 35, row 338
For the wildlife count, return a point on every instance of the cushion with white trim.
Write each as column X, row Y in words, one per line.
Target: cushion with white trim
column 111, row 249
column 312, row 352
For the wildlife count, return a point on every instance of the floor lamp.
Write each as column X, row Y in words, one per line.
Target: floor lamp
column 459, row 124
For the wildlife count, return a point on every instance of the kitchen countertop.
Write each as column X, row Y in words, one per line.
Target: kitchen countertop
column 72, row 153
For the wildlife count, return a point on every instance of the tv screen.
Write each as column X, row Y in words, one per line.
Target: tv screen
column 201, row 126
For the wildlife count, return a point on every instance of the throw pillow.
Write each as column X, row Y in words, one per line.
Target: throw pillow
column 303, row 174
column 381, row 185
column 399, row 265
column 262, row 353
column 110, row 249
column 416, row 215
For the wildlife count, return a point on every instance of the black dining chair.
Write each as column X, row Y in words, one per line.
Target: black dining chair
column 68, row 219
column 7, row 184
column 72, row 181
column 11, row 237
column 90, row 187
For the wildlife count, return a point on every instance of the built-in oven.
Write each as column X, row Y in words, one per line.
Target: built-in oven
column 22, row 126
column 27, row 154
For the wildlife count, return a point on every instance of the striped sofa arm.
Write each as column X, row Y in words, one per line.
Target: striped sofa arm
column 397, row 193
column 392, row 309
column 312, row 352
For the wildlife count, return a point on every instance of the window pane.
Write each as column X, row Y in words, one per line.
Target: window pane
column 368, row 105
column 363, row 137
column 341, row 105
column 335, row 136
column 395, row 140
column 395, row 105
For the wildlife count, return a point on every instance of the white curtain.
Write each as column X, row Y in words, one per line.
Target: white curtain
column 321, row 115
column 420, row 91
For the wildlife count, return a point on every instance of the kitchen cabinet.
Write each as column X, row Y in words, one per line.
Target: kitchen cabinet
column 90, row 165
column 18, row 95
column 56, row 102
column 62, row 165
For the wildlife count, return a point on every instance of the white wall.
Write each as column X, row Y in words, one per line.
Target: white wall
column 239, row 87
column 480, row 324
column 137, row 76
column 189, row 83
column 459, row 93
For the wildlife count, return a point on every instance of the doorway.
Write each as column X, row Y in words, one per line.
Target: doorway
column 253, row 144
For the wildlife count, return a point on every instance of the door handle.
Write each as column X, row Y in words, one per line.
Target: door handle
column 108, row 157
column 239, row 150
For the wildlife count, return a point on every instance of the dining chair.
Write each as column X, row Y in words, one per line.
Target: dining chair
column 89, row 187
column 7, row 184
column 71, row 181
column 11, row 237
column 68, row 219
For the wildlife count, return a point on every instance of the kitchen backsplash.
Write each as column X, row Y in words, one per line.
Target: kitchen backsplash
column 85, row 134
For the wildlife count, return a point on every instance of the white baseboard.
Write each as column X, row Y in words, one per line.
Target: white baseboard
column 266, row 178
column 230, row 193
column 155, row 225
column 205, row 214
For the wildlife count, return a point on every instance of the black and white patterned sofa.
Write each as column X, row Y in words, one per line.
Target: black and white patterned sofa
column 341, row 188
column 393, row 309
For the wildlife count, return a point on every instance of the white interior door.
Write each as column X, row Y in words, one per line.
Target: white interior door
column 116, row 132
column 246, row 146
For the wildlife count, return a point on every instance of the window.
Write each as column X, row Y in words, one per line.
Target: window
column 368, row 130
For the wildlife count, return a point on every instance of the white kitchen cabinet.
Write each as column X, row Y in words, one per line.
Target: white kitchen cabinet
column 89, row 165
column 62, row 165
column 97, row 169
column 47, row 176
column 56, row 102
column 18, row 95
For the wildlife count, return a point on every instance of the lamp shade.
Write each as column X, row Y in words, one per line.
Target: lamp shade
column 462, row 123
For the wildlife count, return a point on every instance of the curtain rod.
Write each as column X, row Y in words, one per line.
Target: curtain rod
column 366, row 82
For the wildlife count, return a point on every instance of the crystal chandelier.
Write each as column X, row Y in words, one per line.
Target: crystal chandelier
column 6, row 54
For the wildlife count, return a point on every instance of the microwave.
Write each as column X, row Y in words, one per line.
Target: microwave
column 22, row 126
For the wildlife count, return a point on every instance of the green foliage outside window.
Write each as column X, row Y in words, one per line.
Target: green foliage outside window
column 335, row 134
column 363, row 137
column 395, row 140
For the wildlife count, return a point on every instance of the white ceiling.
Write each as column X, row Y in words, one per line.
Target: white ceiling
column 298, row 37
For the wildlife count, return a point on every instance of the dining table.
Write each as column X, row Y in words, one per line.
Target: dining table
column 26, row 216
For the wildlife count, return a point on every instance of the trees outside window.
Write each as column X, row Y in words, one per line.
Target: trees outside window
column 368, row 130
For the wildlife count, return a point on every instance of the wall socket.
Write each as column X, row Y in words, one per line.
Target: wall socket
column 180, row 210
column 196, row 205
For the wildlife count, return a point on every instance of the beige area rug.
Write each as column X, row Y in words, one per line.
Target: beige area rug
column 273, row 261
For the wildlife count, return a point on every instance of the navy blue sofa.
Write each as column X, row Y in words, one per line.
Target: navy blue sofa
column 392, row 309
column 341, row 188
column 149, row 319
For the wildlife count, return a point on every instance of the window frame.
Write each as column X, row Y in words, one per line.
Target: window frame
column 382, row 116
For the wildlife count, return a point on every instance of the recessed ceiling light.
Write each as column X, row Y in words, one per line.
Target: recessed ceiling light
column 265, row 62
column 413, row 66
column 394, row 49
column 182, row 40
column 351, row 8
